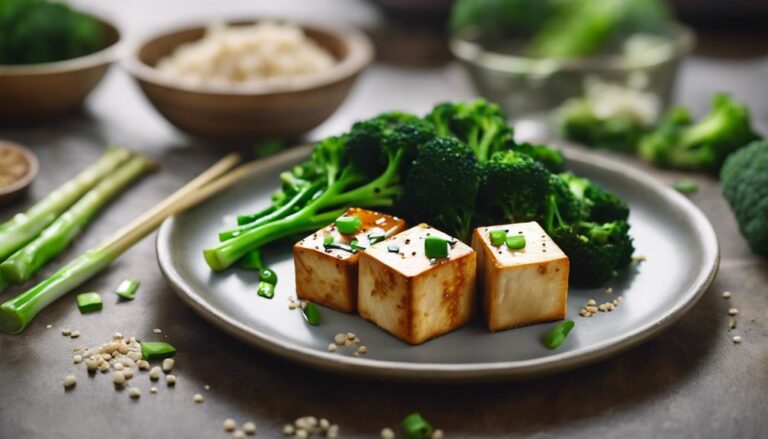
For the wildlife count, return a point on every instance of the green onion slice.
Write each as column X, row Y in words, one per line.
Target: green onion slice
column 156, row 350
column 311, row 313
column 516, row 242
column 89, row 302
column 498, row 237
column 435, row 247
column 328, row 240
column 127, row 288
column 416, row 427
column 375, row 237
column 557, row 336
column 349, row 224
column 266, row 290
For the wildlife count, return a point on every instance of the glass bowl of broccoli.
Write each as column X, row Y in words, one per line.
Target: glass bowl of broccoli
column 530, row 56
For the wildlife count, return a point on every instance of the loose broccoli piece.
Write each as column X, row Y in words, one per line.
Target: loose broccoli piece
column 441, row 187
column 551, row 158
column 744, row 177
column 601, row 206
column 680, row 143
column 513, row 188
column 364, row 168
column 480, row 124
column 577, row 121
column 596, row 251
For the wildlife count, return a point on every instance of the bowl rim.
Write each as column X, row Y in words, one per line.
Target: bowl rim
column 26, row 180
column 359, row 56
column 683, row 40
column 105, row 55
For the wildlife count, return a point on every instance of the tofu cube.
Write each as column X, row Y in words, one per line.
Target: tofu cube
column 328, row 276
column 411, row 296
column 523, row 286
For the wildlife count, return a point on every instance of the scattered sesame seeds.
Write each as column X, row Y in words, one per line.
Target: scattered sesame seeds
column 198, row 398
column 737, row 339
column 171, row 380
column 134, row 392
column 592, row 308
column 733, row 311
column 387, row 433
column 249, row 428
column 726, row 295
column 66, row 332
column 69, row 381
column 230, row 424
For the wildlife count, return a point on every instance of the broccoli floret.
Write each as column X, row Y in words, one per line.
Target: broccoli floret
column 551, row 158
column 513, row 188
column 680, row 143
column 601, row 206
column 480, row 124
column 441, row 187
column 501, row 18
column 744, row 177
column 596, row 251
column 577, row 121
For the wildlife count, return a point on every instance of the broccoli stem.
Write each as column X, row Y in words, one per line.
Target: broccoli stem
column 20, row 266
column 251, row 217
column 16, row 313
column 24, row 227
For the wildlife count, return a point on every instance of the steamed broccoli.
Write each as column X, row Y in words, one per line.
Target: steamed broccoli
column 600, row 205
column 577, row 121
column 480, row 124
column 513, row 188
column 680, row 143
column 364, row 168
column 441, row 187
column 744, row 177
column 551, row 158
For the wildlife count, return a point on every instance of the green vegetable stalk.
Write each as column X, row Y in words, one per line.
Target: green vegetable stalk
column 24, row 227
column 20, row 266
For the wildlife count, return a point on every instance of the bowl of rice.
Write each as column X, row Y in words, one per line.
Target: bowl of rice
column 249, row 80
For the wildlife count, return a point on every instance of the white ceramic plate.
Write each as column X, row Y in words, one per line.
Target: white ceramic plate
column 677, row 240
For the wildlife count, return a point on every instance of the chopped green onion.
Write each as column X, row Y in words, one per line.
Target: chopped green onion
column 252, row 260
column 356, row 246
column 127, row 288
column 349, row 224
column 311, row 313
column 416, row 427
column 516, row 242
column 266, row 289
column 557, row 336
column 269, row 276
column 340, row 246
column 376, row 237
column 686, row 186
column 435, row 247
column 89, row 302
column 156, row 350
column 328, row 240
column 393, row 248
column 498, row 237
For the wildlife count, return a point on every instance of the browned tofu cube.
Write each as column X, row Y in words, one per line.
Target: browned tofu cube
column 411, row 296
column 521, row 286
column 327, row 275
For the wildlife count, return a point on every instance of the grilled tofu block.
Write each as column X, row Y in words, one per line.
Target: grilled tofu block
column 523, row 286
column 413, row 297
column 327, row 275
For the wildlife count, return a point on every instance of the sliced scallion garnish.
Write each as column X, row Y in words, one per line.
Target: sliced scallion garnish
column 311, row 313
column 349, row 224
column 89, row 302
column 557, row 336
column 516, row 242
column 156, row 350
column 266, row 290
column 498, row 237
column 435, row 247
column 127, row 288
column 416, row 427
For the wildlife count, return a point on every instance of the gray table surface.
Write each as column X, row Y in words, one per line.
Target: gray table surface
column 691, row 381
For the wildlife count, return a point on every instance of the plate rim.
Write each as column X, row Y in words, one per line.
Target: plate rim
column 439, row 372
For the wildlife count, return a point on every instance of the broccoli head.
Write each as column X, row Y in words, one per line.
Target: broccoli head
column 441, row 187
column 744, row 177
column 578, row 122
column 513, row 188
column 596, row 251
column 551, row 158
column 600, row 205
column 480, row 124
column 680, row 143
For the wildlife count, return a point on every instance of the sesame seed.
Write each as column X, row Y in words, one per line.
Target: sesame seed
column 154, row 373
column 153, row 389
column 302, row 434
column 733, row 311
column 117, row 336
column 288, row 429
column 362, row 349
column 91, row 365
column 134, row 392
column 249, row 428
column 230, row 424
column 726, row 295
column 351, row 335
column 387, row 433
column 77, row 359
column 206, row 387
column 143, row 364
column 198, row 398
column 69, row 381
column 118, row 378
column 74, row 334
column 157, row 331
column 737, row 339
column 119, row 366
column 340, row 338
column 48, row 326
column 104, row 367
column 128, row 373
column 238, row 435
column 437, row 434
column 168, row 364
column 591, row 302
column 170, row 379
column 609, row 290
column 66, row 331
column 332, row 347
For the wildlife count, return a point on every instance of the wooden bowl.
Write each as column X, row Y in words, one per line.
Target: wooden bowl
column 28, row 161
column 34, row 93
column 283, row 110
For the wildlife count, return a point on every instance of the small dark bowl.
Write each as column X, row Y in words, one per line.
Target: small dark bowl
column 17, row 189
